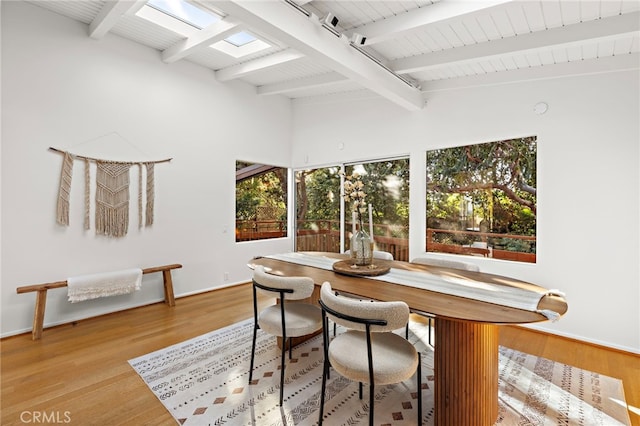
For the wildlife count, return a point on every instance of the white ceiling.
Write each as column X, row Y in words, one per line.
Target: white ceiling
column 412, row 47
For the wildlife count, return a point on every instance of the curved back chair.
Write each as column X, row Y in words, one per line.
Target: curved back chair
column 369, row 351
column 286, row 318
column 443, row 263
column 377, row 254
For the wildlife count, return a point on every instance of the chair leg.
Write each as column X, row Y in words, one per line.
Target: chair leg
column 325, row 345
column 284, row 349
column 371, row 396
column 406, row 331
column 325, row 364
column 325, row 373
column 289, row 347
column 419, row 374
column 253, row 352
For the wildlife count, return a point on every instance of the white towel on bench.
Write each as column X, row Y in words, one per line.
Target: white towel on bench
column 86, row 287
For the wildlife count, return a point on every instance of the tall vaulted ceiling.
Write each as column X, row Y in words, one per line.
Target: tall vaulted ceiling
column 401, row 50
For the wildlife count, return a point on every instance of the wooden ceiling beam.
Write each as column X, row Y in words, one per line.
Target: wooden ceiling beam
column 566, row 36
column 321, row 80
column 417, row 19
column 568, row 69
column 291, row 27
column 109, row 15
column 250, row 67
column 202, row 39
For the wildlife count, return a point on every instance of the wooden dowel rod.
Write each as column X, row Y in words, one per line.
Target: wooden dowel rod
column 166, row 160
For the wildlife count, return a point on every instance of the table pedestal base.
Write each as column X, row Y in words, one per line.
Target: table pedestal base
column 466, row 373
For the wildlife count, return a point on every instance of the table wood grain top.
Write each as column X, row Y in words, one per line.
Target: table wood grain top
column 438, row 304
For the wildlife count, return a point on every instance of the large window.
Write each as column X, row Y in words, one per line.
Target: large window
column 318, row 209
column 481, row 200
column 324, row 222
column 261, row 201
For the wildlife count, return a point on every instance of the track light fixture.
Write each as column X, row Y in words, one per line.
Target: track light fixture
column 314, row 18
column 358, row 39
column 331, row 20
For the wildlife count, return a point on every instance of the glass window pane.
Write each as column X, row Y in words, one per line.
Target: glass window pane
column 319, row 203
column 481, row 200
column 185, row 11
column 386, row 184
column 318, row 210
column 261, row 201
column 240, row 39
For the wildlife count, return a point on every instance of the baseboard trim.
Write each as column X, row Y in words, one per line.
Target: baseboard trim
column 623, row 350
column 576, row 340
column 74, row 320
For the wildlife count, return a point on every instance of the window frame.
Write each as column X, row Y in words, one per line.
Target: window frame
column 255, row 170
column 345, row 219
column 444, row 236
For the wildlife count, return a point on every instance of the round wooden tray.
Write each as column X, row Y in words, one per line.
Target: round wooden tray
column 347, row 267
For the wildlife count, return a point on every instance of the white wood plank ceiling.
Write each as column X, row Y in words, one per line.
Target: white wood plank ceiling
column 411, row 47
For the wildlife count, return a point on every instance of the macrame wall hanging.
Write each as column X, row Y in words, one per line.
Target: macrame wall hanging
column 111, row 194
column 64, row 191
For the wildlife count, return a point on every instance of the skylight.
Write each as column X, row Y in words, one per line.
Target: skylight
column 240, row 39
column 184, row 18
column 185, row 11
column 249, row 47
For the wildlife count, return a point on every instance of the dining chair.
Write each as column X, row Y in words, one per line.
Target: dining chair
column 443, row 263
column 377, row 254
column 288, row 317
column 369, row 351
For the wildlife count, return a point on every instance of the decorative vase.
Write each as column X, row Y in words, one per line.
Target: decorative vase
column 361, row 248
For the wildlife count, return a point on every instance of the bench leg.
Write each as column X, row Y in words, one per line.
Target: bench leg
column 169, row 298
column 38, row 315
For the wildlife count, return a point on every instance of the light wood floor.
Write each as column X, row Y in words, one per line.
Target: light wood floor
column 79, row 373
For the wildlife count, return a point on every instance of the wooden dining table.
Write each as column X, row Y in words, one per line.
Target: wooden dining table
column 466, row 340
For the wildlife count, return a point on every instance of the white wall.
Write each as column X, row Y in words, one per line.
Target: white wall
column 60, row 88
column 588, row 180
column 63, row 89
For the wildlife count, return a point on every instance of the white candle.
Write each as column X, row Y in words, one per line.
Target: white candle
column 370, row 223
column 353, row 222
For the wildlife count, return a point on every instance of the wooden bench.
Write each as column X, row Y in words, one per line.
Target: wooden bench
column 41, row 296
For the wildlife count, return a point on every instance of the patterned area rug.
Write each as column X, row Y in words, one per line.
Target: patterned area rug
column 203, row 381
